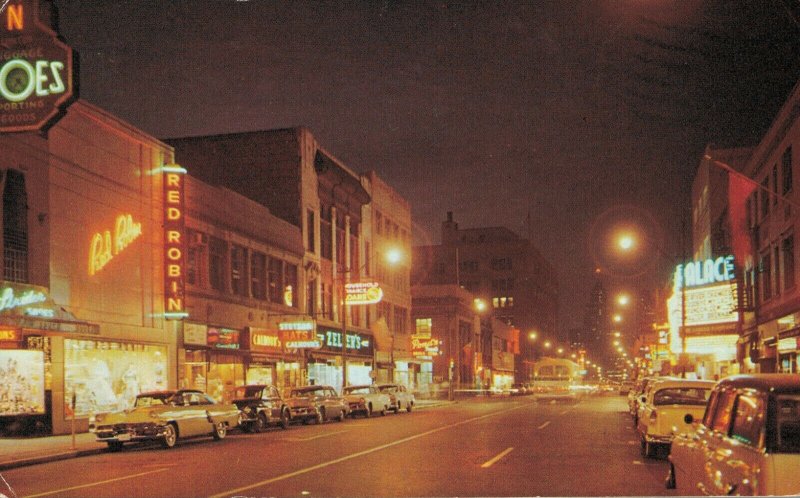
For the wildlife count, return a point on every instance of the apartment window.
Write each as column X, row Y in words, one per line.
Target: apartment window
column 15, row 228
column 468, row 266
column 501, row 264
column 238, row 282
column 764, row 198
column 216, row 264
column 766, row 276
column 777, row 262
column 400, row 320
column 786, row 166
column 310, row 226
column 197, row 259
column 378, row 222
column 311, row 298
column 325, row 235
column 327, row 301
column 340, row 237
column 290, row 285
column 258, row 275
column 774, row 184
column 355, row 263
column 787, row 247
column 275, row 280
column 367, row 270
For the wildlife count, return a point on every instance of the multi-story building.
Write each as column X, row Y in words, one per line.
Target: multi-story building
column 499, row 266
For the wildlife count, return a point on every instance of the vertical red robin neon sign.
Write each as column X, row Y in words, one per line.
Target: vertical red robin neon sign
column 174, row 243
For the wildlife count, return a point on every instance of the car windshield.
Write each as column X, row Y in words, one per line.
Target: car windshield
column 151, row 400
column 248, row 391
column 788, row 437
column 356, row 390
column 389, row 389
column 298, row 393
column 681, row 396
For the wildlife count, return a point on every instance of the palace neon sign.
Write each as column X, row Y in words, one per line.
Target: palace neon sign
column 174, row 246
column 104, row 247
column 710, row 271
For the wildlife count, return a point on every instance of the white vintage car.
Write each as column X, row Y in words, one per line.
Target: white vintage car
column 166, row 416
column 746, row 443
column 399, row 397
column 366, row 400
column 664, row 407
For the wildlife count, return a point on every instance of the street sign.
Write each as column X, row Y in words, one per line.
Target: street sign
column 36, row 69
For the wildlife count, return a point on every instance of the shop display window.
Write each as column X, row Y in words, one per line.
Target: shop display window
column 323, row 374
column 195, row 370
column 106, row 376
column 289, row 375
column 358, row 373
column 225, row 374
column 22, row 384
column 259, row 374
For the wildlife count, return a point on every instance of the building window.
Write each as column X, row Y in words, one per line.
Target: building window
column 786, row 168
column 258, row 276
column 197, row 259
column 468, row 266
column 15, row 228
column 275, row 280
column 777, row 262
column 501, row 264
column 764, row 198
column 216, row 264
column 327, row 301
column 766, row 276
column 311, row 298
column 290, row 285
column 310, row 231
column 378, row 222
column 424, row 326
column 325, row 235
column 238, row 282
column 788, row 261
column 775, row 184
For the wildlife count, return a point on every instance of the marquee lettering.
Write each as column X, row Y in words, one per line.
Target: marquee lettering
column 174, row 251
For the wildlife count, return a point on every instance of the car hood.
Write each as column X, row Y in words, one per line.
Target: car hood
column 132, row 415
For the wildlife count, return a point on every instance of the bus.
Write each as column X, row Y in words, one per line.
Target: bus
column 556, row 378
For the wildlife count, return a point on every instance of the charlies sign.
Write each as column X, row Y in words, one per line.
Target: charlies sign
column 36, row 69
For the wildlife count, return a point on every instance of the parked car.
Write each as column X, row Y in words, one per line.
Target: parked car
column 664, row 408
column 166, row 416
column 261, row 406
column 635, row 395
column 365, row 400
column 399, row 397
column 746, row 443
column 316, row 403
column 519, row 389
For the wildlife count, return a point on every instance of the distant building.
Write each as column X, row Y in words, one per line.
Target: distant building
column 502, row 268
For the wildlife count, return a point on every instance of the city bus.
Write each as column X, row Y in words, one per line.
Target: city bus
column 556, row 378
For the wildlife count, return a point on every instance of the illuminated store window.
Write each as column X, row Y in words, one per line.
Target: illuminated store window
column 15, row 228
column 106, row 376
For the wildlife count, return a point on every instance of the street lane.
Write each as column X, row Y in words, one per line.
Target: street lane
column 535, row 448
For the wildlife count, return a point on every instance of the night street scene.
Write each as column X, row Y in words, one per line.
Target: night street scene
column 384, row 248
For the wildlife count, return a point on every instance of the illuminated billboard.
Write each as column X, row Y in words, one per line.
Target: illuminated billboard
column 362, row 293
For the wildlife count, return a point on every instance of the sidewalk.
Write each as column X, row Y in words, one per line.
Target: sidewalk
column 19, row 452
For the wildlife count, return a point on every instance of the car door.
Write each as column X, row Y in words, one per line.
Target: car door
column 687, row 454
column 734, row 467
column 272, row 400
column 189, row 414
column 715, row 447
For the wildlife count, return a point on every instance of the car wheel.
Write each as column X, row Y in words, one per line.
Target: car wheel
column 321, row 416
column 261, row 423
column 170, row 436
column 409, row 406
column 383, row 412
column 669, row 482
column 114, row 446
column 220, row 431
column 340, row 418
column 368, row 411
column 285, row 416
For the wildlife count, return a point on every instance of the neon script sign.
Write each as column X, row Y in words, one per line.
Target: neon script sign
column 104, row 247
column 174, row 234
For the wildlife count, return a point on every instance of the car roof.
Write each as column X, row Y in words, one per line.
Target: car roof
column 311, row 388
column 781, row 383
column 669, row 383
column 357, row 386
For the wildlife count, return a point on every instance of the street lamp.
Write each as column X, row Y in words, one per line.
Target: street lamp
column 532, row 336
column 623, row 299
column 547, row 344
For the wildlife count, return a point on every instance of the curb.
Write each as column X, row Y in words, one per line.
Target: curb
column 53, row 457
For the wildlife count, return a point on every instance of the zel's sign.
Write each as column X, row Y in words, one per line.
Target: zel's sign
column 36, row 71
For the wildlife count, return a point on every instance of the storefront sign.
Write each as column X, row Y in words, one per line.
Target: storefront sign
column 362, row 293
column 356, row 343
column 300, row 339
column 195, row 334
column 424, row 346
column 221, row 338
column 265, row 340
column 35, row 69
column 20, row 297
column 301, row 325
column 174, row 243
column 9, row 335
column 103, row 247
column 699, row 273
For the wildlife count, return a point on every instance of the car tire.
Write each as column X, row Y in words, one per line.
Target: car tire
column 669, row 482
column 261, row 423
column 368, row 411
column 220, row 431
column 383, row 412
column 285, row 418
column 114, row 446
column 321, row 416
column 170, row 436
column 340, row 418
column 409, row 407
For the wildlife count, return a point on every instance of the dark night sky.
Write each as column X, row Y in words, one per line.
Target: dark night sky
column 492, row 110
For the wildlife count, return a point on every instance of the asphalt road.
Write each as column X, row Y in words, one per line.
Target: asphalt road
column 481, row 447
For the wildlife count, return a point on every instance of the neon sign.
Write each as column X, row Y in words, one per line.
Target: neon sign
column 710, row 271
column 362, row 293
column 9, row 300
column 174, row 235
column 36, row 71
column 104, row 247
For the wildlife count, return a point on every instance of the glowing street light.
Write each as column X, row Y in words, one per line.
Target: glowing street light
column 626, row 242
column 532, row 336
column 560, row 350
column 616, row 343
column 394, row 256
column 623, row 299
column 547, row 344
column 617, row 334
column 480, row 304
column 617, row 318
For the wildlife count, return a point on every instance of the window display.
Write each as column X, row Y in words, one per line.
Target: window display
column 259, row 374
column 22, row 385
column 107, row 376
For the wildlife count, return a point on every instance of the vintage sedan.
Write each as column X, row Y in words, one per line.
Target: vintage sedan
column 664, row 408
column 399, row 397
column 747, row 442
column 316, row 403
column 261, row 406
column 166, row 416
column 366, row 400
